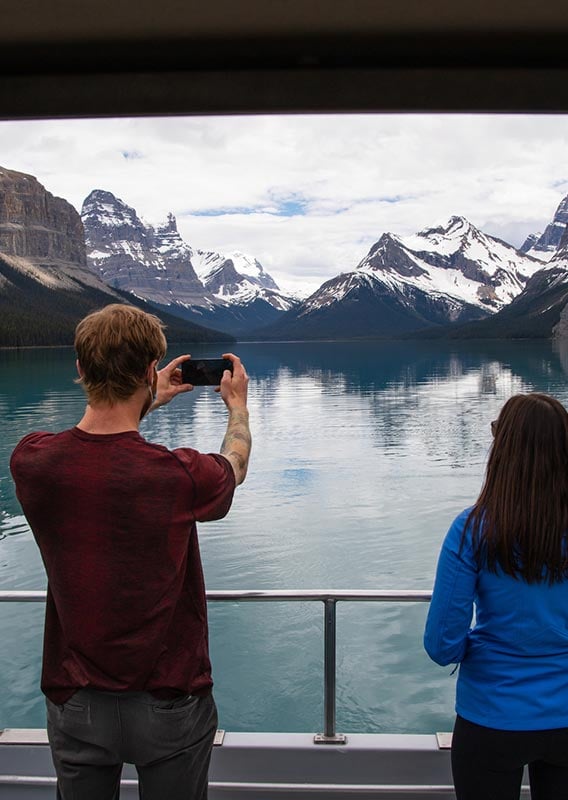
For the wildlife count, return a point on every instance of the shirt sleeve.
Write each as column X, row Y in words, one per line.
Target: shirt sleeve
column 451, row 608
column 22, row 453
column 213, row 480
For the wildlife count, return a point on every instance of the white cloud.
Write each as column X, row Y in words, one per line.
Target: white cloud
column 356, row 176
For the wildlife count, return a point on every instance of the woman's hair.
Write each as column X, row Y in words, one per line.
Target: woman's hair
column 520, row 519
column 115, row 347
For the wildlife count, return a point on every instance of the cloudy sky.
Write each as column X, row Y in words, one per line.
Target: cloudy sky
column 306, row 195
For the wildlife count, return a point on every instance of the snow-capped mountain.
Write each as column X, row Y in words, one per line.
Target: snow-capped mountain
column 447, row 273
column 539, row 311
column 231, row 292
column 129, row 255
column 239, row 278
column 456, row 260
column 223, row 272
column 545, row 245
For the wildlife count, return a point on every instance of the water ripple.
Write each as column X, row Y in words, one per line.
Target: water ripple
column 13, row 526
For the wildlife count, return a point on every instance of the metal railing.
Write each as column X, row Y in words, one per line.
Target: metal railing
column 329, row 599
column 326, row 789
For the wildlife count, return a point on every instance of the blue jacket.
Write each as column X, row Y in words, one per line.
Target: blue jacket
column 514, row 655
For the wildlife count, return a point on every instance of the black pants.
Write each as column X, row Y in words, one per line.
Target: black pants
column 94, row 733
column 487, row 763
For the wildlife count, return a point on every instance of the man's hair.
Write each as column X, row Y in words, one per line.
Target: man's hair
column 520, row 520
column 115, row 347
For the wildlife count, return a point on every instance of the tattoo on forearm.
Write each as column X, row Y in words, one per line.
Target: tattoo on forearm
column 240, row 459
column 237, row 442
column 234, row 436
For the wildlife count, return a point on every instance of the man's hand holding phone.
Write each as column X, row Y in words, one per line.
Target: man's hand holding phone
column 234, row 384
column 169, row 382
column 237, row 442
column 230, row 379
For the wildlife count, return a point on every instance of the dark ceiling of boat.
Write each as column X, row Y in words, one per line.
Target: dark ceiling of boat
column 122, row 57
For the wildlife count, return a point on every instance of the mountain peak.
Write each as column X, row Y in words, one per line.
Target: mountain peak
column 456, row 225
column 456, row 220
column 106, row 216
column 545, row 245
column 100, row 196
column 169, row 226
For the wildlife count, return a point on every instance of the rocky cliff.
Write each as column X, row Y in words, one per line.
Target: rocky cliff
column 42, row 235
column 35, row 224
column 545, row 245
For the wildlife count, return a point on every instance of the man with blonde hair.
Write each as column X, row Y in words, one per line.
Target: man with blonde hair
column 126, row 669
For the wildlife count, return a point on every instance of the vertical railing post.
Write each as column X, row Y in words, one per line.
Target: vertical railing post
column 329, row 735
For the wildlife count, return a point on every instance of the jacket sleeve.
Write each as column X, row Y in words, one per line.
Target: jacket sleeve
column 451, row 609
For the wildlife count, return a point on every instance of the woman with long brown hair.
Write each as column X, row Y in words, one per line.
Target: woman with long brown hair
column 505, row 561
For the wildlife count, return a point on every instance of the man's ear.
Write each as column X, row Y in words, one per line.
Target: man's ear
column 151, row 372
column 79, row 369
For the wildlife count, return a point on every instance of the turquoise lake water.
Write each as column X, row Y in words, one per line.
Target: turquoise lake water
column 363, row 454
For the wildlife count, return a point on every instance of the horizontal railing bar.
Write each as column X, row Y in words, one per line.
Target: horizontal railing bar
column 390, row 788
column 336, row 788
column 352, row 788
column 13, row 596
column 270, row 595
column 407, row 595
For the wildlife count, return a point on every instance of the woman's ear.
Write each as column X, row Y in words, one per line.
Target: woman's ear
column 79, row 369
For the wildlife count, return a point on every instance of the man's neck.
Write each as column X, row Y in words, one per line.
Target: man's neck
column 118, row 418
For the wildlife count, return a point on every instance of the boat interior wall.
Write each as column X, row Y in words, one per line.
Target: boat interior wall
column 67, row 20
column 65, row 58
column 254, row 765
column 287, row 766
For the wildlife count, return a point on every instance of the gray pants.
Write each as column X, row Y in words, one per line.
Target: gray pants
column 169, row 742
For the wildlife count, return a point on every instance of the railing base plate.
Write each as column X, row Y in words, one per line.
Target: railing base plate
column 338, row 738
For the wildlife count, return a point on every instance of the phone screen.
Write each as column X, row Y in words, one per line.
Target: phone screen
column 205, row 371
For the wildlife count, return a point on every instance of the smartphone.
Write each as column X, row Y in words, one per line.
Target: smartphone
column 205, row 371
